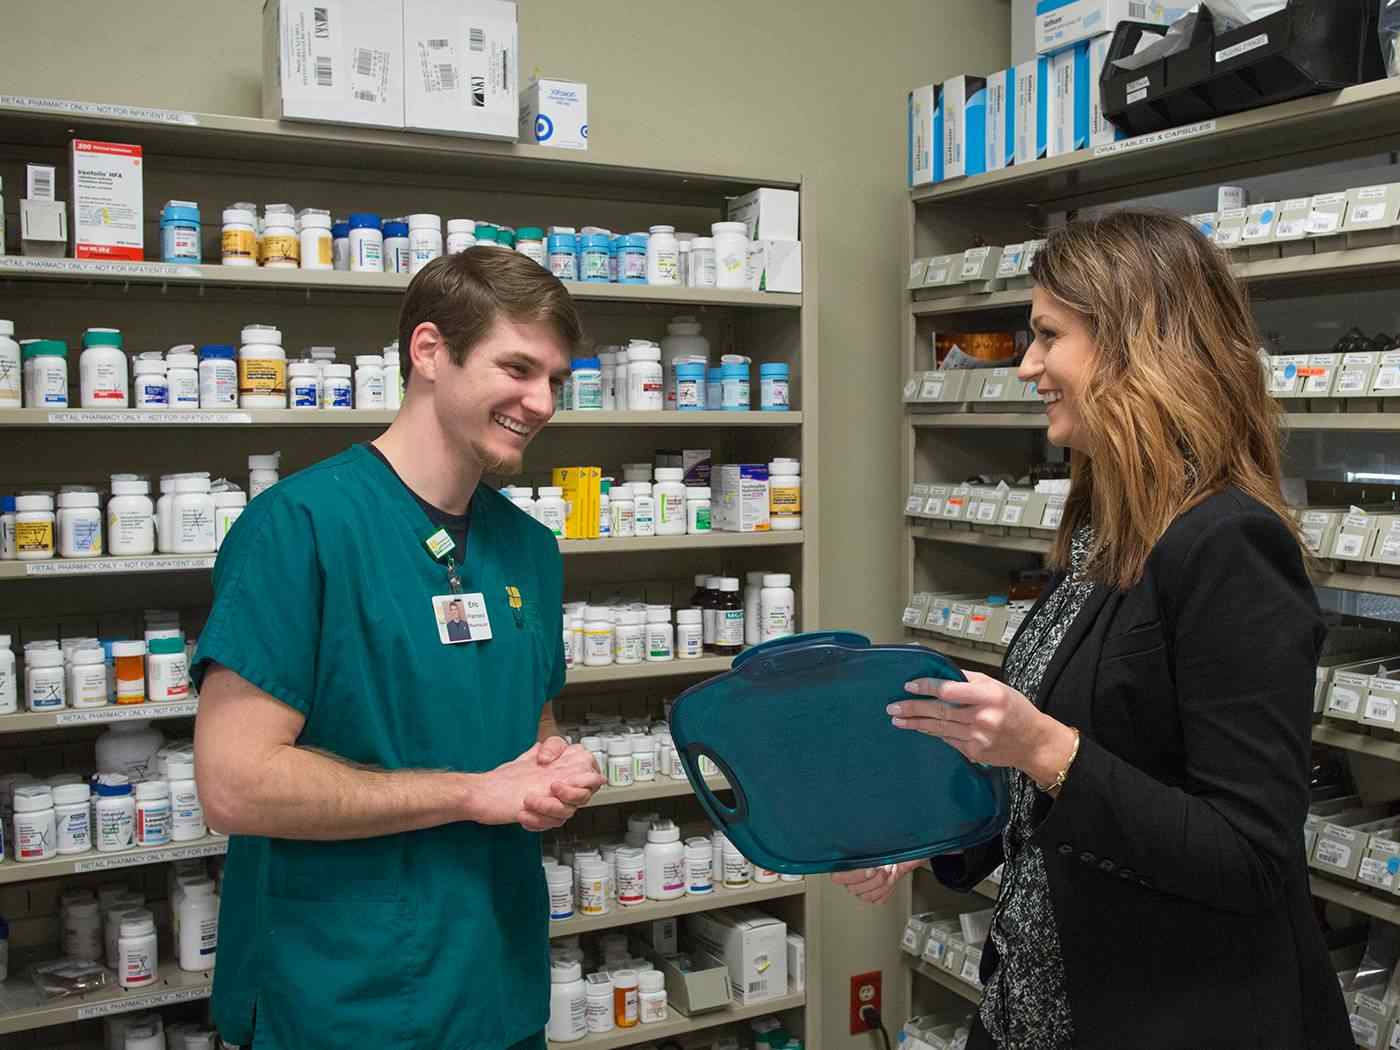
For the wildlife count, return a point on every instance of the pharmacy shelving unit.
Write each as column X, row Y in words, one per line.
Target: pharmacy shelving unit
column 1020, row 203
column 214, row 159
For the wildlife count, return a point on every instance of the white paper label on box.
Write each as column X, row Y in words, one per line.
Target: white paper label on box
column 1140, row 84
column 1136, row 96
column 1367, row 213
column 1054, row 514
column 911, row 389
column 957, row 623
column 1333, row 854
column 1351, row 381
column 1347, row 701
column 1244, row 47
column 914, row 505
column 1291, row 228
column 912, row 617
column 1156, row 138
column 1340, row 832
column 932, row 390
column 1364, row 1030
column 1390, row 544
column 1011, row 257
column 1348, row 545
column 970, row 971
column 1011, row 514
column 938, row 276
column 1388, row 378
column 993, row 389
column 977, row 627
column 973, row 261
column 1381, row 709
column 1375, row 872
column 100, row 109
column 934, row 507
column 1012, row 626
column 987, row 512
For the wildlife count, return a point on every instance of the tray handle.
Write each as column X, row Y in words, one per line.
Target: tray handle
column 847, row 638
column 729, row 815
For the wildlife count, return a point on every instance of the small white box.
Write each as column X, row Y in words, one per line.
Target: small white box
column 1260, row 224
column 555, row 113
column 1328, row 213
column 462, row 58
column 1001, row 120
column 43, row 229
column 107, row 200
column 1102, row 131
column 1229, row 231
column 964, row 126
column 339, row 61
column 1032, row 110
column 770, row 215
column 1069, row 101
column 1060, row 23
column 923, row 145
column 40, row 183
column 775, row 266
column 753, row 946
column 796, row 963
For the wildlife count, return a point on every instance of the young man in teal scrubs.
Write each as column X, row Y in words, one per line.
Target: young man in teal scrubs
column 384, row 784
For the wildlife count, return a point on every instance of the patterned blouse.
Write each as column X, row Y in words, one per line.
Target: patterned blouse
column 1026, row 1006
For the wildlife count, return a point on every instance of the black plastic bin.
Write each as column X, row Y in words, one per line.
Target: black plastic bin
column 1310, row 47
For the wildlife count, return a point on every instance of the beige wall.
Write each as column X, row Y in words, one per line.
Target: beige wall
column 815, row 87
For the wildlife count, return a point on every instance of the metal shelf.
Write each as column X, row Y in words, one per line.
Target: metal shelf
column 1356, row 898
column 709, row 541
column 1348, row 740
column 24, row 1008
column 369, row 419
column 1301, row 421
column 705, row 665
column 1345, row 123
column 688, row 905
column 956, row 651
column 1027, row 544
column 82, row 863
column 31, row 721
column 661, row 787
column 677, row 1024
column 952, row 982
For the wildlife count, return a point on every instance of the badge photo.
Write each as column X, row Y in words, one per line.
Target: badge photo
column 461, row 618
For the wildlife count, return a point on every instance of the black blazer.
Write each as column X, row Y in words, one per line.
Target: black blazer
column 1174, row 852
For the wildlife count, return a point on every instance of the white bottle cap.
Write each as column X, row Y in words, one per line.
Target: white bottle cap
column 729, row 583
column 31, row 798
column 697, row 492
column 262, row 334
column 777, row 579
column 689, row 616
column 152, row 789
column 268, row 461
column 653, row 981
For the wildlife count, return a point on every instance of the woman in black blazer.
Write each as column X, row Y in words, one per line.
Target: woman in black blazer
column 1156, row 711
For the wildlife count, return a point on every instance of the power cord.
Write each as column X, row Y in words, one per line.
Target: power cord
column 871, row 1016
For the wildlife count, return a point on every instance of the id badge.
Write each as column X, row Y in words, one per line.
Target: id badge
column 461, row 618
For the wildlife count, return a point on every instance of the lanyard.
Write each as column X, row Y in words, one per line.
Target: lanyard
column 441, row 546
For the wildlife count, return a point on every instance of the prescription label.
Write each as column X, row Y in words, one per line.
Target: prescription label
column 262, row 375
column 1344, row 700
column 1333, row 854
column 1381, row 709
column 239, row 244
column 34, row 537
column 932, row 389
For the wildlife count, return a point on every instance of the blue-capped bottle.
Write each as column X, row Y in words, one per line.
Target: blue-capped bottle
column 563, row 255
column 180, row 232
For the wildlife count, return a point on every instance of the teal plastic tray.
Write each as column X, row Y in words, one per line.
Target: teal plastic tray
column 822, row 780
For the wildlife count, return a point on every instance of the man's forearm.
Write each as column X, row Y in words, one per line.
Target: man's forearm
column 297, row 793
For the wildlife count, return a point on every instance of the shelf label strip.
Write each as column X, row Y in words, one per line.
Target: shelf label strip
column 145, row 1002
column 80, row 567
column 184, row 709
column 1156, row 138
column 96, row 268
column 158, row 856
column 91, row 417
column 100, row 109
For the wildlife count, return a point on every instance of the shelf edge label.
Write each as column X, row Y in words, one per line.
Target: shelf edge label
column 79, row 567
column 101, row 109
column 96, row 268
column 145, row 1002
column 99, row 715
column 159, row 856
column 1156, row 138
column 126, row 417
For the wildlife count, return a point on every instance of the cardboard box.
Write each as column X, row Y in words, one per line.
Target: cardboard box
column 1059, row 23
column 555, row 113
column 1229, row 229
column 964, row 126
column 924, row 145
column 775, row 266
column 1293, row 215
column 943, row 270
column 339, row 61
column 1382, row 708
column 771, row 215
column 1319, row 528
column 107, row 200
column 796, row 963
column 1102, row 131
column 1001, row 120
column 1010, row 264
column 740, row 498
column 918, row 498
column 43, row 229
column 463, row 62
column 753, row 946
column 1032, row 110
column 1328, row 213
column 1069, row 101
column 937, row 500
column 1320, row 375
column 696, row 982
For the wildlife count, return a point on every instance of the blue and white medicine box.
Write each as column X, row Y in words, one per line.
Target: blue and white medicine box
column 555, row 113
column 1001, row 119
column 1069, row 100
column 1060, row 23
column 964, row 126
column 1102, row 131
column 1032, row 110
column 922, row 143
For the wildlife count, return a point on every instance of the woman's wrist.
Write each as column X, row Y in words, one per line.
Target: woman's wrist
column 1052, row 751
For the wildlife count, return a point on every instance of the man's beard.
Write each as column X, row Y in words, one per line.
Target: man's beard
column 504, row 466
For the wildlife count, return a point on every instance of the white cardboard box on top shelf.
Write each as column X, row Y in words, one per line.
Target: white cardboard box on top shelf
column 464, row 59
column 770, row 214
column 340, row 61
column 1060, row 23
column 554, row 113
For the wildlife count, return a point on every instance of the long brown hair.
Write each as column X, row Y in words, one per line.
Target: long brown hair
column 1177, row 406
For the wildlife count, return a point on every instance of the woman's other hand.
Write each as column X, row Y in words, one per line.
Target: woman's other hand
column 875, row 885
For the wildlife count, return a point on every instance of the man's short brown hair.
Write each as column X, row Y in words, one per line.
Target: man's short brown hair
column 464, row 293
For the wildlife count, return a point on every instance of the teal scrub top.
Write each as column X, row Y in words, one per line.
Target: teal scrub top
column 435, row 939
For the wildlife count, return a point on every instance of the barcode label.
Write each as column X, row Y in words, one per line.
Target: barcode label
column 323, row 23
column 323, row 71
column 1138, row 12
column 439, row 44
column 479, row 92
column 42, row 184
column 364, row 61
column 757, row 988
column 478, row 39
column 447, row 76
column 366, row 96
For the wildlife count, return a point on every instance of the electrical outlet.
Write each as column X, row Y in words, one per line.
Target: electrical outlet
column 865, row 991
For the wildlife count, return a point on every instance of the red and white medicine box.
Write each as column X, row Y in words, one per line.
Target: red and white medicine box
column 107, row 200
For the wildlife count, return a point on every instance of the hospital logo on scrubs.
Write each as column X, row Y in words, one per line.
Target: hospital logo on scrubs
column 517, row 605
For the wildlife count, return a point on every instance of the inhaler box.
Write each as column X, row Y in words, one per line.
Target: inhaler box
column 1102, row 131
column 106, row 200
column 1069, row 101
column 922, row 143
column 1001, row 119
column 340, row 61
column 1032, row 110
column 964, row 126
column 1060, row 23
column 555, row 113
column 462, row 58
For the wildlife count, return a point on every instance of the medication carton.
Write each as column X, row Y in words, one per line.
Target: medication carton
column 1102, row 131
column 1291, row 228
column 1032, row 110
column 1060, row 23
column 753, row 946
column 463, row 62
column 340, row 61
column 1001, row 120
column 770, row 215
column 1069, row 101
column 964, row 126
column 923, row 145
column 555, row 113
column 107, row 200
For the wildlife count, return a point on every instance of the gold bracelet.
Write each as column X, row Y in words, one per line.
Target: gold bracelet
column 1059, row 781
